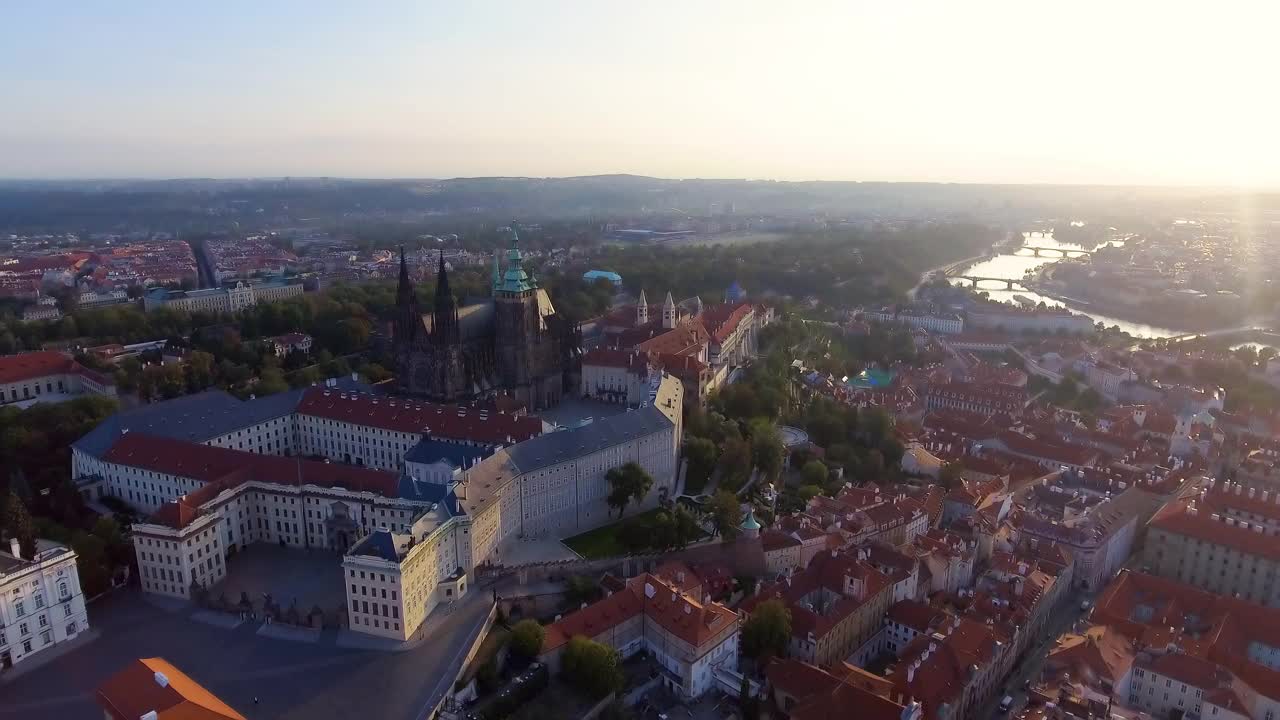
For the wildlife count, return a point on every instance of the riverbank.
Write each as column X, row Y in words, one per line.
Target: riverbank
column 951, row 267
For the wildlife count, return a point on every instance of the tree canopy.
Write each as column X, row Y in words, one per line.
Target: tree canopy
column 767, row 632
column 627, row 483
column 592, row 667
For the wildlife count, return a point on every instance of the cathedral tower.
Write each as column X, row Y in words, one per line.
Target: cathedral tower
column 642, row 311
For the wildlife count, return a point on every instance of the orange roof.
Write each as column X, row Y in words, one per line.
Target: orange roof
column 153, row 684
column 25, row 366
column 722, row 320
column 224, row 468
column 660, row 601
column 820, row 694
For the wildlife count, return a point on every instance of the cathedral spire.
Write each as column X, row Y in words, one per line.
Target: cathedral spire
column 442, row 280
column 405, row 292
column 408, row 317
column 642, row 310
column 445, row 313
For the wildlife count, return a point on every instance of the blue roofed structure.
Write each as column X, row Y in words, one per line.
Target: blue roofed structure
column 594, row 275
column 564, row 445
column 379, row 543
column 199, row 417
column 423, row 491
column 459, row 455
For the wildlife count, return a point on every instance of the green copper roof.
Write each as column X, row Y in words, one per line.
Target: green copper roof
column 516, row 280
column 749, row 522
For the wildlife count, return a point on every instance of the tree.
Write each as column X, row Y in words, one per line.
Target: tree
column 768, row 631
column 875, row 423
column 809, row 492
column 726, row 514
column 814, row 473
column 527, row 637
column 270, row 382
column 686, row 526
column 591, row 667
column 767, row 451
column 17, row 524
column 199, row 370
column 626, row 483
column 701, row 455
column 735, row 463
column 950, row 474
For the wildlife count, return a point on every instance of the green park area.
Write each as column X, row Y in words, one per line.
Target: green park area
column 606, row 541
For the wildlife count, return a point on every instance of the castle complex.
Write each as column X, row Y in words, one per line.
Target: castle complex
column 513, row 343
column 413, row 495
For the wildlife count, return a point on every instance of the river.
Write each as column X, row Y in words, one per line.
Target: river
column 1013, row 266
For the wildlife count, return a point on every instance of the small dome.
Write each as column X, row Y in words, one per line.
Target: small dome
column 749, row 522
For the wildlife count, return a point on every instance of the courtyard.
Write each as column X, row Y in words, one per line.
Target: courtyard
column 307, row 578
column 289, row 679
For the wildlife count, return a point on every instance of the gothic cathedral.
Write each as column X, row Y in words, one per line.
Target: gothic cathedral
column 513, row 343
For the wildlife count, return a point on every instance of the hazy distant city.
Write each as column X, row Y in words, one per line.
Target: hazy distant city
column 722, row 361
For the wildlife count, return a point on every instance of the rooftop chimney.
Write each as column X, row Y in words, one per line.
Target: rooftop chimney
column 162, row 680
column 15, row 548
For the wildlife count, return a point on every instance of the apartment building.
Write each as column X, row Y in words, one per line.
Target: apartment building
column 985, row 399
column 48, row 376
column 41, row 603
column 837, row 603
column 667, row 615
column 1222, row 539
column 223, row 299
column 1194, row 653
column 950, row 323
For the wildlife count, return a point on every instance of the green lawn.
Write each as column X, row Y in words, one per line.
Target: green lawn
column 603, row 541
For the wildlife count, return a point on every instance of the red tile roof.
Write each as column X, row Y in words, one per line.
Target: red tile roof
column 411, row 416
column 821, row 695
column 25, row 366
column 1180, row 518
column 633, row 360
column 722, row 320
column 223, row 468
column 657, row 599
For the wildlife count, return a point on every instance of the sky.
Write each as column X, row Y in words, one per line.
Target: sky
column 1032, row 91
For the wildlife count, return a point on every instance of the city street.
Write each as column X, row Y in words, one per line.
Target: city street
column 1033, row 658
column 290, row 680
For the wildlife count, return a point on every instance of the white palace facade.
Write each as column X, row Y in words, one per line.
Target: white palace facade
column 413, row 495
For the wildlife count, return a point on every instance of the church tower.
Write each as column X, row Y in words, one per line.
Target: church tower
column 444, row 326
column 448, row 381
column 516, row 324
column 408, row 318
column 669, row 312
column 642, row 311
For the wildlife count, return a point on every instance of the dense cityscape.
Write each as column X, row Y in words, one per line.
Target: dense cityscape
column 600, row 361
column 731, row 463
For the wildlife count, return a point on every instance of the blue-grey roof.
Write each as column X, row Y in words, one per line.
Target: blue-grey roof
column 196, row 418
column 459, row 455
column 378, row 543
column 411, row 489
column 564, row 445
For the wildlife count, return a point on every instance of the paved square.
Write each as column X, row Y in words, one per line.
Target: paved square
column 292, row 680
column 311, row 577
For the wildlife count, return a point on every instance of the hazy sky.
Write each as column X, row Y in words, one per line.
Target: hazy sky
column 1121, row 91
